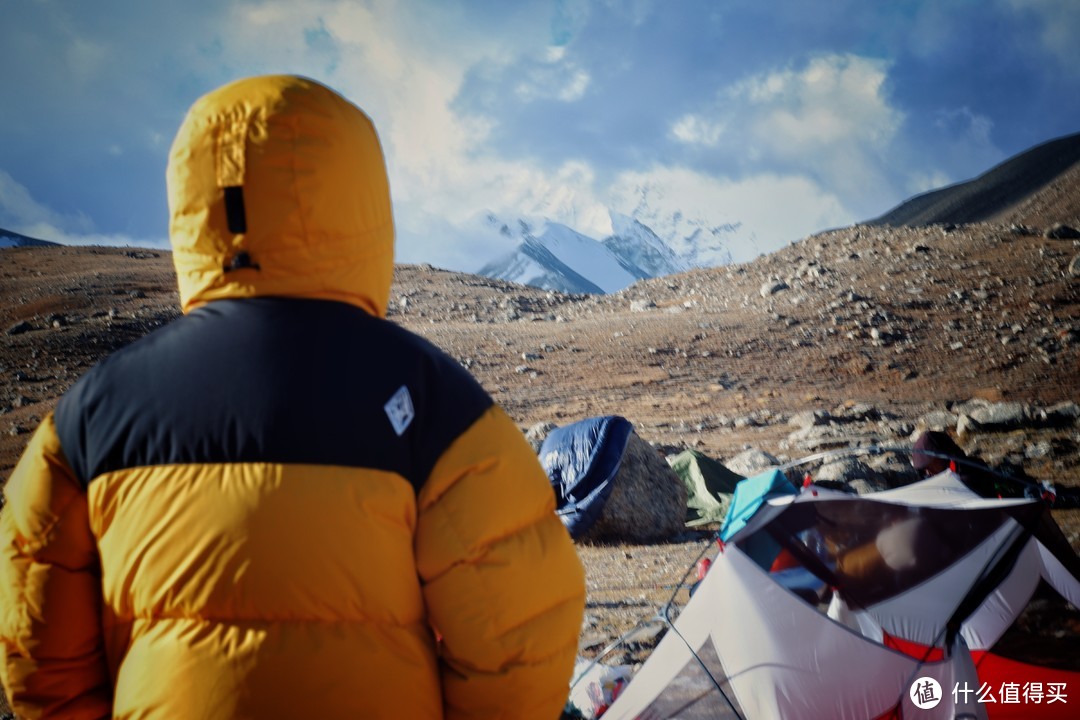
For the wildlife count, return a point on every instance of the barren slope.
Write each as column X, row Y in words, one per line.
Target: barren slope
column 999, row 192
column 906, row 319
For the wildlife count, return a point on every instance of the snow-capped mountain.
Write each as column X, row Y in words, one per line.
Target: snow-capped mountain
column 14, row 239
column 647, row 244
column 641, row 249
column 694, row 241
column 559, row 258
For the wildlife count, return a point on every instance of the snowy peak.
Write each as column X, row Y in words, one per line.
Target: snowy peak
column 638, row 247
column 559, row 258
column 588, row 257
column 553, row 256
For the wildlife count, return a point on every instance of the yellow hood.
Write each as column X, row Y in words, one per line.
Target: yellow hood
column 312, row 217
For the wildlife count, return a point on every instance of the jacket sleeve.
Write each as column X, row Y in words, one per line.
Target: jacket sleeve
column 53, row 661
column 502, row 580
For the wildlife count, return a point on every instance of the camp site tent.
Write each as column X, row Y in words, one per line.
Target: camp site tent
column 709, row 486
column 926, row 582
column 581, row 461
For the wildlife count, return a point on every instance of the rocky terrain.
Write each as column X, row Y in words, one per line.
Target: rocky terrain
column 856, row 336
column 873, row 331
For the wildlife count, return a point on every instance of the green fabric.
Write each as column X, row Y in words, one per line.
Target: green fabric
column 709, row 486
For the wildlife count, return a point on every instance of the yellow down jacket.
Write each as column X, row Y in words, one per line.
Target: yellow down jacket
column 281, row 505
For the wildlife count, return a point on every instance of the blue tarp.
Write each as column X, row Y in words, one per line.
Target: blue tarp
column 581, row 461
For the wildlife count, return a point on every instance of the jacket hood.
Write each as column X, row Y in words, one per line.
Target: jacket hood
column 277, row 186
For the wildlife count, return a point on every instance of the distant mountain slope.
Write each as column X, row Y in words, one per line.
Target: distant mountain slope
column 998, row 193
column 562, row 259
column 14, row 239
column 640, row 250
column 533, row 264
column 1058, row 202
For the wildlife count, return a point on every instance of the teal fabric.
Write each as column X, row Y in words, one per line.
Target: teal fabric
column 750, row 495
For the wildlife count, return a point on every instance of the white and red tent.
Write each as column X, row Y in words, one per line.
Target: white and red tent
column 914, row 586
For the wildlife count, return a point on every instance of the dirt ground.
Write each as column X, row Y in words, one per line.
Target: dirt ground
column 906, row 321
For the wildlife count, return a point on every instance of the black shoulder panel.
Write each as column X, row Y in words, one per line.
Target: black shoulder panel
column 271, row 380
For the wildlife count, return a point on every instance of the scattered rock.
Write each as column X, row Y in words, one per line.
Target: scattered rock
column 1061, row 231
column 809, row 418
column 848, row 470
column 862, row 487
column 751, row 462
column 538, row 433
column 999, row 416
column 20, row 327
column 939, row 420
column 1062, row 414
column 772, row 287
column 1074, row 267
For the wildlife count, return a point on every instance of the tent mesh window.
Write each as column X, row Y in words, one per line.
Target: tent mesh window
column 694, row 695
column 1046, row 633
column 869, row 551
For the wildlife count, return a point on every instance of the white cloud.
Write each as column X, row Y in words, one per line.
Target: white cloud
column 830, row 119
column 444, row 184
column 86, row 59
column 44, row 231
column 21, row 213
column 18, row 207
column 447, row 227
column 835, row 99
column 552, row 76
column 697, row 130
column 441, row 179
column 769, row 210
column 971, row 126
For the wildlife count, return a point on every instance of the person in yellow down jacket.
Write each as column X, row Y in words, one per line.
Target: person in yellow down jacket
column 276, row 505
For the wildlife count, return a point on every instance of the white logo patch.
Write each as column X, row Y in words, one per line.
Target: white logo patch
column 399, row 409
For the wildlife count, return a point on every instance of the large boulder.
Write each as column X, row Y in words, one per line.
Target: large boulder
column 993, row 417
column 647, row 501
column 1061, row 231
column 751, row 462
column 851, row 472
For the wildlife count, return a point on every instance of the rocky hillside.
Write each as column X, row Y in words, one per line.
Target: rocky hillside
column 1030, row 188
column 874, row 329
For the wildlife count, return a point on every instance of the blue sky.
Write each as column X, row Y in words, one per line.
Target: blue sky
column 772, row 119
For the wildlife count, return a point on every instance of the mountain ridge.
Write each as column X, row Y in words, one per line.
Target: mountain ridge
column 560, row 258
column 995, row 194
column 9, row 238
